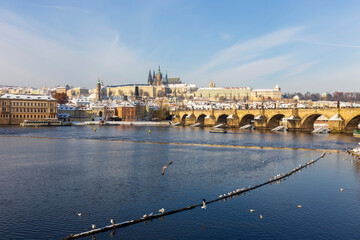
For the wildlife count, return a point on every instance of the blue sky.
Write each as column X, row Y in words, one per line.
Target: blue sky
column 300, row 45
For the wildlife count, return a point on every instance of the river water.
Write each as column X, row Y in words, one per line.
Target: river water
column 48, row 175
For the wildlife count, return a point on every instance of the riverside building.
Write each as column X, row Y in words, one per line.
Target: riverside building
column 14, row 109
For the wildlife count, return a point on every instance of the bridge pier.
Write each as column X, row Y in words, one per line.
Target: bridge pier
column 337, row 124
column 260, row 123
column 294, row 124
column 233, row 121
column 176, row 119
column 210, row 121
column 190, row 120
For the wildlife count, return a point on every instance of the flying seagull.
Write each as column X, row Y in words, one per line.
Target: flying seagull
column 164, row 167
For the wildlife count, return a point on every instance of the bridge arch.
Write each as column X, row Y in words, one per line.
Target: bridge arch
column 352, row 124
column 222, row 119
column 246, row 120
column 183, row 118
column 201, row 119
column 275, row 121
column 307, row 123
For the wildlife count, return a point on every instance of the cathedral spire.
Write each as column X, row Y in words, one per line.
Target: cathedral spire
column 150, row 79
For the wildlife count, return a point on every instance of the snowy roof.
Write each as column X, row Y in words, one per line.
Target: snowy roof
column 26, row 97
column 63, row 115
column 64, row 107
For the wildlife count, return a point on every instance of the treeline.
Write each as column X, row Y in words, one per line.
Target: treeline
column 336, row 96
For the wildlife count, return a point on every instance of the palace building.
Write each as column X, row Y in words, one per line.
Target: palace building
column 14, row 109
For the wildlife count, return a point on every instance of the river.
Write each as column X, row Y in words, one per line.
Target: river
column 48, row 175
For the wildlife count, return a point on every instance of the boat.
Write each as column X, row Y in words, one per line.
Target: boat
column 41, row 122
column 218, row 130
column 356, row 132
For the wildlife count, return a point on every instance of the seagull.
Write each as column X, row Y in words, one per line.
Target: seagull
column 203, row 204
column 220, row 196
column 162, row 211
column 144, row 216
column 299, row 206
column 341, row 189
column 112, row 221
column 252, row 210
column 261, row 217
column 79, row 214
column 93, row 226
column 150, row 215
column 164, row 167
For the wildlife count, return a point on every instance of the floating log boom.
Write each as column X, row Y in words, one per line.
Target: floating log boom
column 159, row 215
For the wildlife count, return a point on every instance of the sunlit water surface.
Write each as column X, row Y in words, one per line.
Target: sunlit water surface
column 47, row 180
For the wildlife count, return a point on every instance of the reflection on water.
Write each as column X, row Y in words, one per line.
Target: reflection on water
column 46, row 182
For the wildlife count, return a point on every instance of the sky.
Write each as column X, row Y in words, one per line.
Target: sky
column 300, row 45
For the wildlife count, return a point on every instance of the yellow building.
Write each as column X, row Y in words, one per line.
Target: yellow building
column 76, row 92
column 212, row 93
column 266, row 94
column 14, row 109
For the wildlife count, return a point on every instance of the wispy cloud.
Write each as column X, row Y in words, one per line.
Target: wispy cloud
column 61, row 8
column 225, row 36
column 298, row 69
column 331, row 44
column 29, row 58
column 330, row 80
column 242, row 59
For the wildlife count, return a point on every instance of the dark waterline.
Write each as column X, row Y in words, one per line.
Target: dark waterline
column 45, row 182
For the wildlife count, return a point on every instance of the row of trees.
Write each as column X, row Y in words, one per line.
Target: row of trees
column 336, row 96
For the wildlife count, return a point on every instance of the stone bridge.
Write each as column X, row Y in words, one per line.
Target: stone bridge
column 341, row 120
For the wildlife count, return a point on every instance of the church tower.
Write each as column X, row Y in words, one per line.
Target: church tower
column 99, row 90
column 150, row 79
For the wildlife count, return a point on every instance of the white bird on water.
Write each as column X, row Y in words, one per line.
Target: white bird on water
column 144, row 216
column 341, row 189
column 79, row 214
column 162, row 210
column 261, row 217
column 93, row 226
column 299, row 206
column 203, row 204
column 151, row 214
column 112, row 221
column 220, row 196
column 252, row 210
